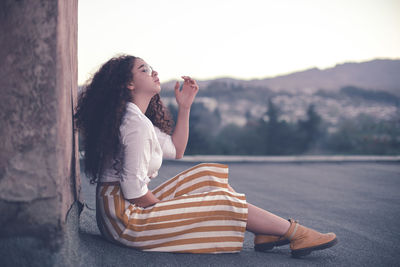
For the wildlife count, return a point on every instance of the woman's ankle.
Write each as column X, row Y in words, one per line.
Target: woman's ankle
column 285, row 228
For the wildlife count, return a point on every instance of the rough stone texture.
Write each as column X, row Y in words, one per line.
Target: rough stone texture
column 39, row 181
column 33, row 252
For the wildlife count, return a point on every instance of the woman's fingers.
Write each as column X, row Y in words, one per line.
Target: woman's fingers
column 188, row 80
column 176, row 86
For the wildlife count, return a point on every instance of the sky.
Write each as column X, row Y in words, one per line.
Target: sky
column 244, row 39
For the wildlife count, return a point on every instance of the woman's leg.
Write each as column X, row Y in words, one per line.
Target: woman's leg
column 260, row 221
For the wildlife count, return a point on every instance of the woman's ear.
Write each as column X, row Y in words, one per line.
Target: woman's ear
column 131, row 86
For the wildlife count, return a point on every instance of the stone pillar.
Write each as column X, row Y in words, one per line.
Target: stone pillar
column 39, row 173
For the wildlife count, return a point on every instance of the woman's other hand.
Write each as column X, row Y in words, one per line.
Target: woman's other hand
column 185, row 97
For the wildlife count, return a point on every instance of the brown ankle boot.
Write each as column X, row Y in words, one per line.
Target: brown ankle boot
column 304, row 240
column 267, row 242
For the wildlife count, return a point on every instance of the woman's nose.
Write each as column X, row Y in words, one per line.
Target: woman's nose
column 155, row 73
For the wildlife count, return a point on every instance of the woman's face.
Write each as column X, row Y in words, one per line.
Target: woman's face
column 145, row 79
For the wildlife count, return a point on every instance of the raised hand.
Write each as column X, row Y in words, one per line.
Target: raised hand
column 185, row 97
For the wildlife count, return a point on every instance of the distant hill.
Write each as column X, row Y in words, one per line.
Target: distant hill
column 345, row 91
column 377, row 75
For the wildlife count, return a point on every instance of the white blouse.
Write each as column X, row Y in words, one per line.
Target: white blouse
column 143, row 148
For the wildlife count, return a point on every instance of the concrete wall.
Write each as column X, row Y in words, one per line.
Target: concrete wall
column 39, row 177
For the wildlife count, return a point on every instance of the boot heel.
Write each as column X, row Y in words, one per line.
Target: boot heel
column 268, row 242
column 264, row 247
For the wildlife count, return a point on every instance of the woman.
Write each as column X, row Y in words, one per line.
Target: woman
column 126, row 132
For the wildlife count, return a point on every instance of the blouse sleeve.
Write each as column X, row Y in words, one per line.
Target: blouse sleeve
column 167, row 146
column 137, row 151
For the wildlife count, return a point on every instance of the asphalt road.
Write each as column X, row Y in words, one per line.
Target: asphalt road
column 360, row 202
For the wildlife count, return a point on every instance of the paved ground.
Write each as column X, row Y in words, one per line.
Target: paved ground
column 360, row 202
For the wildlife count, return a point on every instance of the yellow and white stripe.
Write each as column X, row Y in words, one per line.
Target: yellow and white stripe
column 196, row 214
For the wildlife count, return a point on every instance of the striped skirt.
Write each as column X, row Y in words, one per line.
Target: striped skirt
column 196, row 214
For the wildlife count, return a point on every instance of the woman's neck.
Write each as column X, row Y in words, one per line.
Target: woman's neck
column 142, row 102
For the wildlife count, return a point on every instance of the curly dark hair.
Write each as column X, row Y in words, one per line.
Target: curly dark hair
column 100, row 110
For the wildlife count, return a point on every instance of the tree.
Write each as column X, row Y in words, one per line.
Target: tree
column 203, row 126
column 309, row 130
column 273, row 133
column 365, row 135
column 272, row 113
column 174, row 112
column 228, row 140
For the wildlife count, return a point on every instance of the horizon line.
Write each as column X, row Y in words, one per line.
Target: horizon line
column 285, row 73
